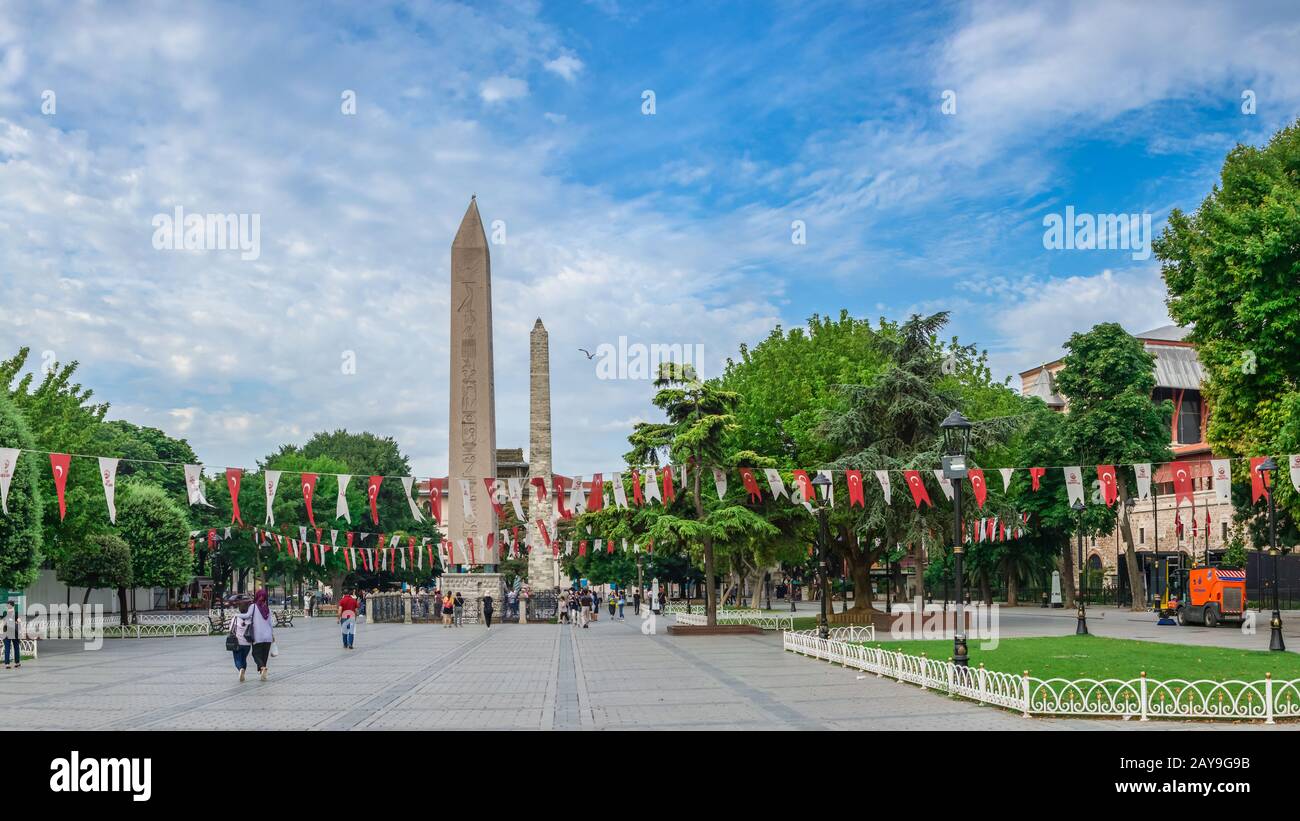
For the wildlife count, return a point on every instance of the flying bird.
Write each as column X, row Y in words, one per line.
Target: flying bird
column 589, row 354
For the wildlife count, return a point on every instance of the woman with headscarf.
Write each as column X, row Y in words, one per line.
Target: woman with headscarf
column 263, row 634
column 239, row 629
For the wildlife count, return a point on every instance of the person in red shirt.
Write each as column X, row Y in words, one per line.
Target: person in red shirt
column 348, row 606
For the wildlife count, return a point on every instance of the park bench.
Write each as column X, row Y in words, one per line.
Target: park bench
column 218, row 624
column 331, row 610
column 283, row 618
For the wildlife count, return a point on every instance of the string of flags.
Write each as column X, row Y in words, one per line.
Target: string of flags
column 567, row 497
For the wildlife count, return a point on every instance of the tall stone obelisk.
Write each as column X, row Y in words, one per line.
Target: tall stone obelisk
column 541, row 561
column 471, row 425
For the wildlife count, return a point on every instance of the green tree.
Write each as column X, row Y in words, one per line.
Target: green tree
column 1231, row 269
column 1107, row 379
column 21, row 528
column 103, row 560
column 158, row 533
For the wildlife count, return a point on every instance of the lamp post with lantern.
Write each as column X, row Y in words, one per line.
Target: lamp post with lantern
column 956, row 444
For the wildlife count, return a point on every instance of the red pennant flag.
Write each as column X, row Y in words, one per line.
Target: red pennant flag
column 1182, row 474
column 1178, row 524
column 437, row 488
column 988, row 530
column 1260, row 484
column 491, row 485
column 469, row 540
column 609, row 546
column 650, row 546
column 514, row 537
column 372, row 493
column 540, row 483
column 212, row 538
column 596, row 499
column 582, row 548
column 233, row 478
column 59, row 463
column 805, row 485
column 978, row 487
column 429, row 548
column 1035, row 474
column 546, row 534
column 1207, row 520
column 917, row 486
column 309, row 488
column 1109, row 489
column 562, row 485
column 854, row 480
column 1002, row 531
column 637, row 498
column 751, row 484
column 347, row 559
column 410, row 548
column 350, row 537
column 669, row 494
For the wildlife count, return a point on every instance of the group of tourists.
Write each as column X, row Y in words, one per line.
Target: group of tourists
column 582, row 606
column 252, row 631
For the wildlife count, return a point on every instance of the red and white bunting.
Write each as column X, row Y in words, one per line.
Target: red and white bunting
column 341, row 503
column 194, row 485
column 407, row 482
column 308, row 482
column 108, row 478
column 59, row 465
column 882, row 476
column 8, row 464
column 1074, row 484
column 372, row 495
column 272, row 482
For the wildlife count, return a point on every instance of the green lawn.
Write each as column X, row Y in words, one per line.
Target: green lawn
column 1095, row 657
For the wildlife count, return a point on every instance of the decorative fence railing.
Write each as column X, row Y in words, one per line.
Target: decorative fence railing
column 674, row 608
column 752, row 618
column 1141, row 698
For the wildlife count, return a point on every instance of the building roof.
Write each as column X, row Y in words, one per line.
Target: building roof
column 1177, row 367
column 1044, row 387
column 1165, row 333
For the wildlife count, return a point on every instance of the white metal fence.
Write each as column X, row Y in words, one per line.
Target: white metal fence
column 1143, row 698
column 753, row 618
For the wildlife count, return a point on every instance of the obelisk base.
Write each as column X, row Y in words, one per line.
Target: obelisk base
column 473, row 587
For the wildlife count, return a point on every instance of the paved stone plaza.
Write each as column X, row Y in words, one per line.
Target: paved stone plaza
column 425, row 677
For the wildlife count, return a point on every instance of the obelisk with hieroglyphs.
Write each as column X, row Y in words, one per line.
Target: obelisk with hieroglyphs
column 471, row 425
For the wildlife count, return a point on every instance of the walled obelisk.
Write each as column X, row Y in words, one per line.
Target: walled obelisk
column 471, row 425
column 541, row 560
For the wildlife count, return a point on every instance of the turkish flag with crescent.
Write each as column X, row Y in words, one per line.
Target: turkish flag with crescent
column 372, row 493
column 59, row 463
column 805, row 485
column 561, row 490
column 751, row 484
column 437, row 488
column 1109, row 489
column 917, row 485
column 978, row 487
column 308, row 489
column 1035, row 474
column 1182, row 474
column 596, row 498
column 669, row 494
column 491, row 485
column 854, row 480
column 1260, row 484
column 233, row 477
column 637, row 497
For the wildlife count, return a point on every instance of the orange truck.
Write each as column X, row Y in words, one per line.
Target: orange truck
column 1213, row 595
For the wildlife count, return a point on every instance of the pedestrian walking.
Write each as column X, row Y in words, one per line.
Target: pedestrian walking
column 459, row 607
column 512, row 604
column 263, row 633
column 487, row 610
column 613, row 604
column 585, row 602
column 636, row 602
column 241, row 627
column 622, row 602
column 13, row 632
column 595, row 605
column 348, row 619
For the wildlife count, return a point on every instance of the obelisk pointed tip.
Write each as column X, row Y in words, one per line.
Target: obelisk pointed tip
column 538, row 326
column 470, row 234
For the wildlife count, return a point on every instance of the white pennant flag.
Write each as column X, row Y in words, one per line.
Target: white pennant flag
column 625, row 545
column 828, row 489
column 775, row 482
column 515, row 490
column 944, row 483
column 1006, row 478
column 302, row 533
column 8, row 463
column 334, row 538
column 1074, row 484
column 882, row 476
column 407, row 481
column 1295, row 470
column 341, row 506
column 568, row 548
column 194, row 485
column 1222, row 479
column 1142, row 472
column 466, row 499
column 720, row 482
column 652, row 487
column 577, row 497
column 272, row 482
column 108, row 476
column 620, row 493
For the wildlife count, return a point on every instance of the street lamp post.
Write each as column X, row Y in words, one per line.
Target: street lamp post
column 767, row 588
column 1267, row 469
column 1081, row 617
column 1129, row 504
column 824, row 621
column 956, row 441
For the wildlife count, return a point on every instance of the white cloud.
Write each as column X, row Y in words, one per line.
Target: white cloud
column 500, row 89
column 566, row 66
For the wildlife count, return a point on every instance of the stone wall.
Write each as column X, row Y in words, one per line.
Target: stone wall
column 474, row 586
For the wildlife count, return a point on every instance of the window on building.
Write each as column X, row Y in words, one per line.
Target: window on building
column 1224, row 530
column 1142, row 535
column 1189, row 418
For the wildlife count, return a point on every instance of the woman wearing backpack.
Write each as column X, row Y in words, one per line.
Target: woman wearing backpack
column 238, row 643
column 263, row 634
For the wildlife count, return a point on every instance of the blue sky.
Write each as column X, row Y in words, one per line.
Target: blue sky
column 666, row 228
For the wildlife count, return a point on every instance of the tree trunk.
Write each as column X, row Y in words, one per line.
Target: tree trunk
column 1136, row 584
column 710, row 592
column 1013, row 585
column 86, row 597
column 1067, row 574
column 986, row 592
column 859, row 561
column 121, row 605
